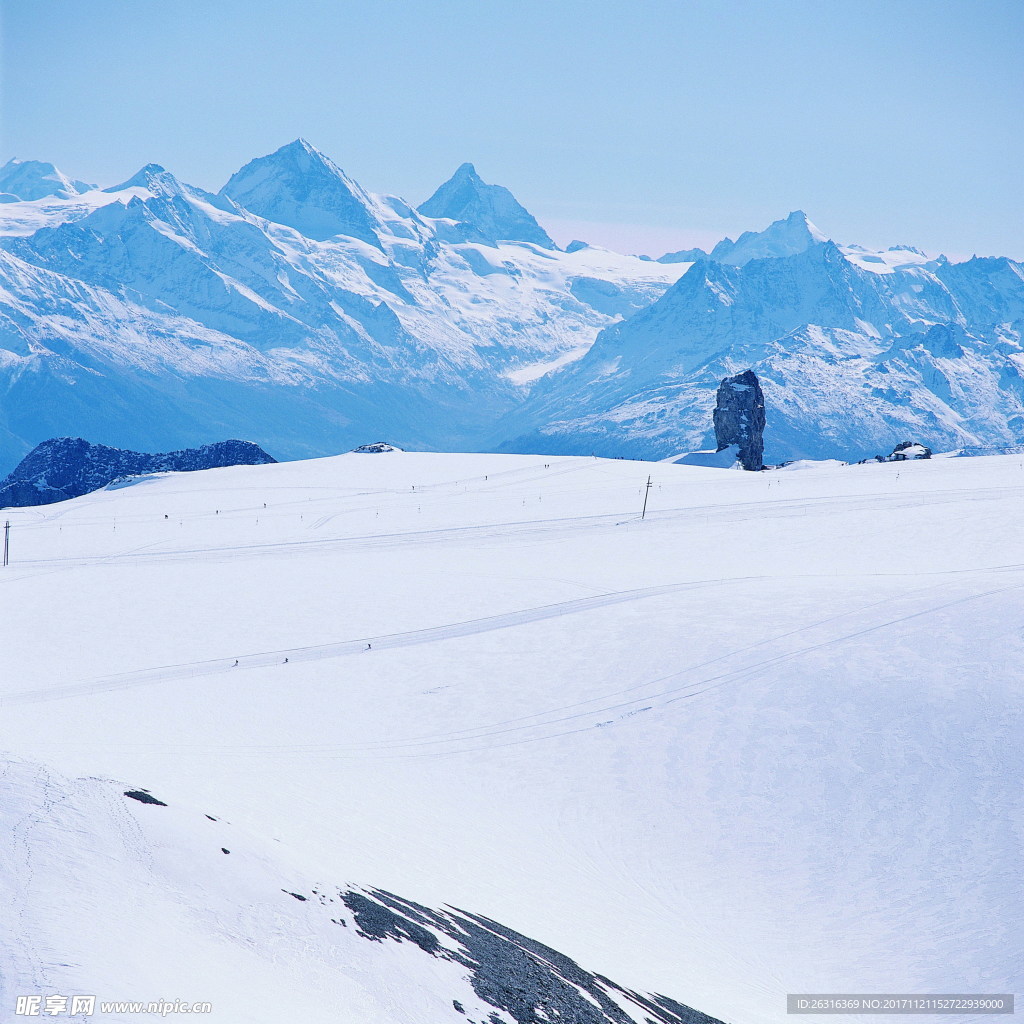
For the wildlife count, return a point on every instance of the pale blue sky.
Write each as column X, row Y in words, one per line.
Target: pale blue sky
column 645, row 125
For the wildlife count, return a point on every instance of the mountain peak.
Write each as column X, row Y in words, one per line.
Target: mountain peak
column 301, row 150
column 37, row 179
column 299, row 186
column 147, row 177
column 786, row 237
column 491, row 212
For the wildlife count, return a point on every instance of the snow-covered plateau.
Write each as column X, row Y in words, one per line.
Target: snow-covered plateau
column 766, row 740
column 298, row 310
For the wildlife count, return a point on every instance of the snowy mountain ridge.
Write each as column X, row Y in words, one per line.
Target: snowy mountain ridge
column 296, row 308
column 212, row 319
column 852, row 358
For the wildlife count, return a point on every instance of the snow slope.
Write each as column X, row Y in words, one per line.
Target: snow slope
column 766, row 741
column 255, row 935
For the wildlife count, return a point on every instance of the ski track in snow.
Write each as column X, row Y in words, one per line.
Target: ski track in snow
column 622, row 710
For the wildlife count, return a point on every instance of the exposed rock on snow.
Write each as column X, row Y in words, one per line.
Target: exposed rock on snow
column 523, row 977
column 377, row 448
column 910, row 450
column 739, row 418
column 906, row 450
column 66, row 467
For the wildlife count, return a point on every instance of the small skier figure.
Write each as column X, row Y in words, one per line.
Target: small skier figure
column 235, row 664
column 369, row 647
column 286, row 661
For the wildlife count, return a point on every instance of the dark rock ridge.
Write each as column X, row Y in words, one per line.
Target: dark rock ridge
column 66, row 467
column 529, row 981
column 739, row 418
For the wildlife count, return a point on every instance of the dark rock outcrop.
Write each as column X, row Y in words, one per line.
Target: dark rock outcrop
column 739, row 418
column 66, row 467
column 910, row 450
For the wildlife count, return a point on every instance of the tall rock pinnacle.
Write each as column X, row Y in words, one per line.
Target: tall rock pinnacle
column 739, row 418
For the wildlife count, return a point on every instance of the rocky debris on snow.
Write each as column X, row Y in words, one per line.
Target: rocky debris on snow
column 67, row 467
column 526, row 979
column 739, row 418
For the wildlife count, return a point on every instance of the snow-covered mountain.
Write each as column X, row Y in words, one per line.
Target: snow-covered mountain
column 302, row 188
column 299, row 310
column 488, row 213
column 33, row 179
column 783, row 238
column 293, row 308
column 854, row 350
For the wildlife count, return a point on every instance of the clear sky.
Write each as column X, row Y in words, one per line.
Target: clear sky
column 644, row 125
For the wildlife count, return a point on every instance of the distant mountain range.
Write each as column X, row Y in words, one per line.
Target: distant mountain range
column 297, row 309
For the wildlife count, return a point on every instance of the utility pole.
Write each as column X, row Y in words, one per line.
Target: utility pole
column 647, row 492
column 7, row 541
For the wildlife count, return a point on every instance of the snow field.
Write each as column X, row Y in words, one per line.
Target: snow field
column 766, row 741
